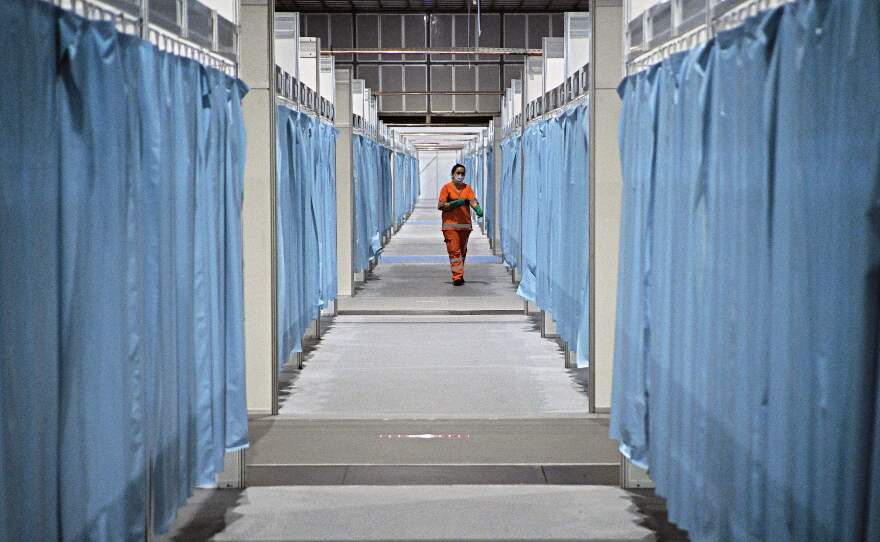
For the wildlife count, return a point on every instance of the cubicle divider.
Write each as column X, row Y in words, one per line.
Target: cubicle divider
column 510, row 225
column 414, row 190
column 545, row 218
column 406, row 186
column 480, row 173
column 544, row 200
column 746, row 372
column 306, row 223
column 380, row 199
column 122, row 365
column 555, row 222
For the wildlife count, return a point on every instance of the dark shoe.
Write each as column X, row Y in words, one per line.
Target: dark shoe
column 458, row 282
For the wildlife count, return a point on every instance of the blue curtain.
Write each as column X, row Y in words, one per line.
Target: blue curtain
column 746, row 365
column 533, row 188
column 121, row 299
column 555, row 222
column 511, row 205
column 400, row 187
column 415, row 185
column 327, row 163
column 489, row 196
column 306, row 224
column 374, row 210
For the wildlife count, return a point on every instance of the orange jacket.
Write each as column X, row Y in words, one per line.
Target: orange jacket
column 460, row 217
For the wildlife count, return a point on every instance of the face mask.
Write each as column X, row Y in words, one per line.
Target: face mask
column 459, row 178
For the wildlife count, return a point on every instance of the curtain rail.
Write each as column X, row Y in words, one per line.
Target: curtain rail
column 165, row 40
column 501, row 51
column 440, row 93
column 729, row 18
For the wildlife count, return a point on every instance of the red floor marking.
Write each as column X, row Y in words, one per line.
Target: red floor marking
column 426, row 436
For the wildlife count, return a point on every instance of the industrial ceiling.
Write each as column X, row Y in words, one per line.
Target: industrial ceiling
column 423, row 6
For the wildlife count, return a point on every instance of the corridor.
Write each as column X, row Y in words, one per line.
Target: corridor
column 410, row 345
column 228, row 311
column 427, row 411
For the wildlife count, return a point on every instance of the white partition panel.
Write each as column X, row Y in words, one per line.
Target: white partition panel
column 358, row 88
column 309, row 59
column 328, row 79
column 554, row 63
column 287, row 42
column 577, row 41
column 534, row 77
column 516, row 96
column 635, row 8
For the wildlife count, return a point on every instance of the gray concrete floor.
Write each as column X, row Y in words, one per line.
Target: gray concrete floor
column 483, row 512
column 411, row 353
column 378, row 363
column 413, row 274
column 444, row 366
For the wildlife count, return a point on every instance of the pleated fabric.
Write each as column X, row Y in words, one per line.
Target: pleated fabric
column 406, row 183
column 483, row 184
column 122, row 367
column 374, row 185
column 746, row 363
column 306, row 224
column 510, row 226
column 544, row 219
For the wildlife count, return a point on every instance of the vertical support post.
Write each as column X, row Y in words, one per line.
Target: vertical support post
column 344, row 186
column 548, row 326
column 215, row 31
column 232, row 475
column 605, row 194
column 496, row 156
column 524, row 103
column 144, row 20
column 150, row 515
column 258, row 213
column 149, row 512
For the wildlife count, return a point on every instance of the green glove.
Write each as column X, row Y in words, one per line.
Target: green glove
column 457, row 203
column 479, row 210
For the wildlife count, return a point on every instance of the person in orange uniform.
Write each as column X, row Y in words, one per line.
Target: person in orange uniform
column 456, row 200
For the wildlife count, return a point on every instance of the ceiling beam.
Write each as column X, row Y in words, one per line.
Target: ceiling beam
column 501, row 51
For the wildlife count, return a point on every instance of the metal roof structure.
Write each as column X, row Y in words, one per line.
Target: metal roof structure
column 423, row 6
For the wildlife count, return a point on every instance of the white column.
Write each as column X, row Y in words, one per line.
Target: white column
column 605, row 181
column 496, row 156
column 258, row 213
column 344, row 186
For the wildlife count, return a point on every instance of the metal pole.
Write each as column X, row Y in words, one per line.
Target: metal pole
column 524, row 99
column 273, row 197
column 591, row 262
column 499, row 51
column 439, row 93
column 145, row 19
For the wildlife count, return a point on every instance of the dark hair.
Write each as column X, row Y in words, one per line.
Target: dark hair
column 456, row 166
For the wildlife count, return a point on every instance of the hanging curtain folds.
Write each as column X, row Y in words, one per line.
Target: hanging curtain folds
column 400, row 187
column 375, row 182
column 415, row 185
column 545, row 231
column 122, row 367
column 482, row 183
column 511, row 204
column 533, row 191
column 489, row 196
column 406, row 185
column 306, row 224
column 746, row 365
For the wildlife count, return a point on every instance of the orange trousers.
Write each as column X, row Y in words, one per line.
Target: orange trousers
column 456, row 245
